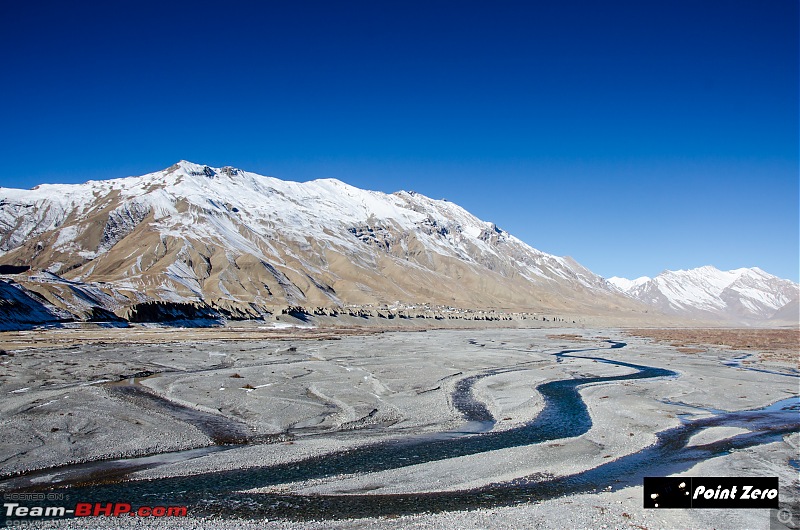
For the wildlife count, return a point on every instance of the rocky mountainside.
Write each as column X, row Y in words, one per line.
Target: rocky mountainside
column 245, row 244
column 740, row 295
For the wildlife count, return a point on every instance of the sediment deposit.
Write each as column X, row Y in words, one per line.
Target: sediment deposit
column 292, row 397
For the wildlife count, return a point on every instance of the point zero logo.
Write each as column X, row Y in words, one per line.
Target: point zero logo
column 711, row 492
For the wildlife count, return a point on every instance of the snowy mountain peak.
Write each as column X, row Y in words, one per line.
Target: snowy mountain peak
column 624, row 284
column 191, row 168
column 742, row 294
column 192, row 232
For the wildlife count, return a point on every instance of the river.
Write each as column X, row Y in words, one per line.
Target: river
column 563, row 416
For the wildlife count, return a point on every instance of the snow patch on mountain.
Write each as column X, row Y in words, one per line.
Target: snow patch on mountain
column 624, row 284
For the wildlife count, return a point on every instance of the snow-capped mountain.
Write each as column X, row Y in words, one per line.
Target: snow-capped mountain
column 235, row 239
column 706, row 292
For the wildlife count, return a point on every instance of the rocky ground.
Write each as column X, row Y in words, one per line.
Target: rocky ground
column 298, row 393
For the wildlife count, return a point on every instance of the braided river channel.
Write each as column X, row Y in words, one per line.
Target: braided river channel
column 564, row 416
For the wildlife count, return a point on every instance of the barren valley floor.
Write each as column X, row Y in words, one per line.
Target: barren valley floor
column 468, row 428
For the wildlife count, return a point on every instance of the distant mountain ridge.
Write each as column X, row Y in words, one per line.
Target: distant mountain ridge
column 743, row 295
column 193, row 241
column 230, row 238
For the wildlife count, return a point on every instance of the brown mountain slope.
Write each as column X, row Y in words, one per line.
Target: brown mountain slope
column 224, row 237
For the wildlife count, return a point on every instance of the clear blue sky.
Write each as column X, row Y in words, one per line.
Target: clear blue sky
column 635, row 136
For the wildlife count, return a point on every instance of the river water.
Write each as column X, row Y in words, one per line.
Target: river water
column 564, row 415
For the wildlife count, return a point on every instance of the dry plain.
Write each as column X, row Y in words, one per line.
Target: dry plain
column 274, row 397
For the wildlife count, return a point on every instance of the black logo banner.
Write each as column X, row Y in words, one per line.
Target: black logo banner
column 711, row 492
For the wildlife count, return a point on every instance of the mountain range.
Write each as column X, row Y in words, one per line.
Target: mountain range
column 743, row 295
column 230, row 242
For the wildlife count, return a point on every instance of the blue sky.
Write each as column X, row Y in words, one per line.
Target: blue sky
column 635, row 136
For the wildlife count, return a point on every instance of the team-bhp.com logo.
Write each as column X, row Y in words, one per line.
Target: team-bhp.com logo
column 93, row 509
